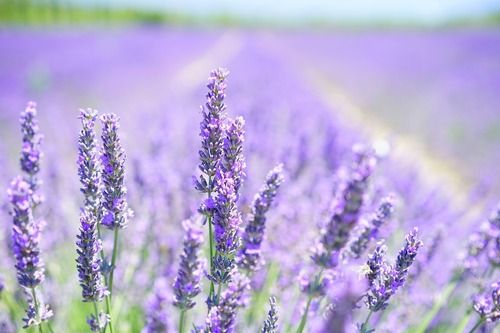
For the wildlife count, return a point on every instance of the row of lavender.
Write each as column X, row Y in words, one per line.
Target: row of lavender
column 329, row 282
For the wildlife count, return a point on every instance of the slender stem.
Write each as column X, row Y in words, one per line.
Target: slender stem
column 219, row 291
column 477, row 325
column 303, row 321
column 364, row 326
column 37, row 310
column 96, row 311
column 113, row 263
column 108, row 312
column 50, row 327
column 210, row 237
column 182, row 319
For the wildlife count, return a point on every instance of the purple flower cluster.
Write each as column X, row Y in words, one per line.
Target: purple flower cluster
column 369, row 229
column 187, row 282
column 232, row 163
column 271, row 322
column 31, row 153
column 116, row 212
column 249, row 256
column 346, row 209
column 488, row 306
column 222, row 318
column 157, row 316
column 384, row 279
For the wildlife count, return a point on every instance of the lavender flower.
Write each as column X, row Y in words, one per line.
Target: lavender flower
column 384, row 279
column 488, row 307
column 221, row 318
column 25, row 235
column 271, row 322
column 187, row 283
column 89, row 260
column 212, row 130
column 233, row 161
column 369, row 230
column 116, row 213
column 98, row 323
column 157, row 317
column 88, row 163
column 249, row 256
column 347, row 207
column 31, row 153
column 2, row 285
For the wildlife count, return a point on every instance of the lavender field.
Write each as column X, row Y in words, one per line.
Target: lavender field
column 332, row 181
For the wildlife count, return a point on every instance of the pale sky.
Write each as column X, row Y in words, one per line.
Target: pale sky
column 420, row 10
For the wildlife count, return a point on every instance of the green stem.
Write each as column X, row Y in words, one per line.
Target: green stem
column 113, row 262
column 303, row 321
column 182, row 319
column 365, row 327
column 50, row 327
column 219, row 291
column 477, row 325
column 37, row 310
column 211, row 241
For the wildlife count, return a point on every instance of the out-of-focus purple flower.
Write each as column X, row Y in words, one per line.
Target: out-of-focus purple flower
column 488, row 306
column 31, row 153
column 315, row 285
column 2, row 285
column 369, row 230
column 485, row 240
column 384, row 279
column 116, row 212
column 233, row 161
column 212, row 130
column 25, row 235
column 346, row 209
column 157, row 316
column 187, row 282
column 89, row 259
column 271, row 322
column 6, row 324
column 249, row 256
column 221, row 318
column 88, row 163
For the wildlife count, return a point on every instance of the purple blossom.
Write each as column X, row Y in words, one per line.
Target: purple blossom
column 157, row 316
column 116, row 211
column 88, row 163
column 346, row 209
column 232, row 163
column 222, row 318
column 187, row 282
column 249, row 256
column 384, row 279
column 369, row 230
column 89, row 259
column 31, row 153
column 488, row 306
column 25, row 235
column 271, row 322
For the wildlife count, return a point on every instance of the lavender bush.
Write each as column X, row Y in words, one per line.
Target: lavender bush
column 242, row 250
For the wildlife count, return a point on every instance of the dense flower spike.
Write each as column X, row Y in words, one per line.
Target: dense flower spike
column 88, row 163
column 157, row 317
column 488, row 306
column 212, row 130
column 89, row 260
column 187, row 282
column 249, row 256
column 31, row 153
column 116, row 212
column 485, row 241
column 221, row 318
column 346, row 210
column 25, row 235
column 369, row 230
column 384, row 279
column 233, row 161
column 271, row 322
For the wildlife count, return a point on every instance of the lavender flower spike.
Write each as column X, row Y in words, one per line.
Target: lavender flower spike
column 221, row 318
column 88, row 163
column 157, row 317
column 187, row 283
column 271, row 323
column 116, row 211
column 384, row 279
column 488, row 306
column 370, row 229
column 249, row 256
column 31, row 153
column 233, row 161
column 346, row 210
column 212, row 130
column 89, row 260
